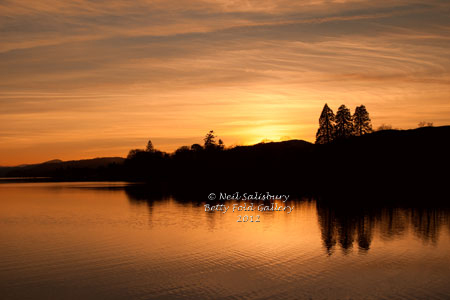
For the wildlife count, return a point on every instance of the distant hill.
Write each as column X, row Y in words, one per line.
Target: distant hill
column 53, row 161
column 292, row 145
column 56, row 166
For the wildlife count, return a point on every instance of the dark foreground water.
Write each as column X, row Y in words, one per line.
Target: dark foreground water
column 105, row 241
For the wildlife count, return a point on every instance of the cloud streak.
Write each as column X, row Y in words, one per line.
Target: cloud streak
column 172, row 70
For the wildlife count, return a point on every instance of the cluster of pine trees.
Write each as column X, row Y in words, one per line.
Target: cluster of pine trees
column 343, row 124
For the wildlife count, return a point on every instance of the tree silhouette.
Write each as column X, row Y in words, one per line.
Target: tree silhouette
column 425, row 124
column 221, row 145
column 209, row 140
column 196, row 147
column 325, row 132
column 133, row 153
column 384, row 127
column 150, row 147
column 361, row 121
column 183, row 149
column 344, row 124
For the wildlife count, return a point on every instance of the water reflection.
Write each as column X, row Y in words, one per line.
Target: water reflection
column 346, row 226
column 120, row 241
column 343, row 226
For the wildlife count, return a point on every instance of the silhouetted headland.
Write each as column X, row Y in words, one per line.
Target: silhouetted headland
column 397, row 162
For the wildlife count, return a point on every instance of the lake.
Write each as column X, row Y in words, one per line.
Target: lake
column 97, row 240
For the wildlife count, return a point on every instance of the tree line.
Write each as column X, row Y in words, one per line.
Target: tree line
column 331, row 127
column 210, row 144
column 343, row 124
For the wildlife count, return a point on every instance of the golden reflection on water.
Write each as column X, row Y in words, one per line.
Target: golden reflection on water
column 99, row 240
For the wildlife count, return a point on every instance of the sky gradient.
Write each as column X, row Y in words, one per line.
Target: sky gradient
column 83, row 79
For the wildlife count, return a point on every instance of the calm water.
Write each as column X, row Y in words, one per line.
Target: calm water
column 105, row 241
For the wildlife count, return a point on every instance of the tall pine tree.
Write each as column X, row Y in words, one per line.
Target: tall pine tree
column 361, row 121
column 344, row 122
column 325, row 132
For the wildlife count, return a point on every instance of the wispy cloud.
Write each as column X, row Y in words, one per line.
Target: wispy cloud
column 102, row 74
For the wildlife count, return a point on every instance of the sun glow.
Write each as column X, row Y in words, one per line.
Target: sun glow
column 97, row 82
column 267, row 133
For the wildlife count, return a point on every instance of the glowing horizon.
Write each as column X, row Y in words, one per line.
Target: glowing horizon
column 83, row 79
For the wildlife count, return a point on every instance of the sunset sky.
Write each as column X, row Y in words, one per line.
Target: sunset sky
column 84, row 79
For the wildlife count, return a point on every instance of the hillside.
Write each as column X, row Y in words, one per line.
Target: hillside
column 407, row 162
column 56, row 166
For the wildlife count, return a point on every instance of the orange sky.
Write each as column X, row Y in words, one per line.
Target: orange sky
column 83, row 79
